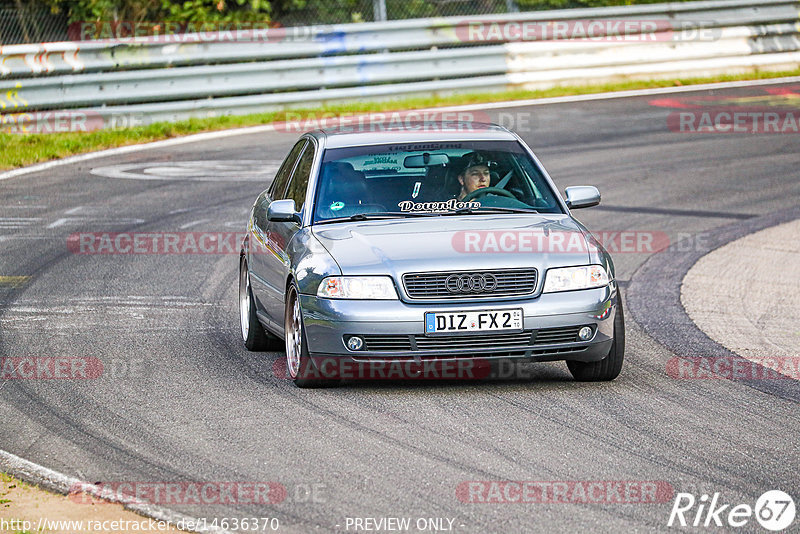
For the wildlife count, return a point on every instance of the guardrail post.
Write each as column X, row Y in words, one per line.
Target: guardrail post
column 21, row 17
column 379, row 10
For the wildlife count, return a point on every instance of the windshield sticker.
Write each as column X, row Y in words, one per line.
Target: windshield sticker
column 416, row 190
column 450, row 205
column 424, row 147
column 381, row 160
column 336, row 206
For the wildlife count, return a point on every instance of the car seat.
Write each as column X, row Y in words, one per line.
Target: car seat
column 344, row 192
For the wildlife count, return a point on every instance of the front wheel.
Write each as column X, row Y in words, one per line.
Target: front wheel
column 298, row 362
column 609, row 367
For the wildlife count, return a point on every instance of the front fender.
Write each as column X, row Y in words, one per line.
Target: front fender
column 310, row 262
column 598, row 255
column 244, row 251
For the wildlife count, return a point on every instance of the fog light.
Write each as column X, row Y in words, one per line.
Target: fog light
column 584, row 334
column 355, row 343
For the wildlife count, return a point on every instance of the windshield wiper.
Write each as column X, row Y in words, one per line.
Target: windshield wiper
column 378, row 215
column 489, row 209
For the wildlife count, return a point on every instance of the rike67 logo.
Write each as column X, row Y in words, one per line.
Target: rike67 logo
column 774, row 511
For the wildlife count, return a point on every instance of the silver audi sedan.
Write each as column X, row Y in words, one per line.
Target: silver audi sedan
column 430, row 251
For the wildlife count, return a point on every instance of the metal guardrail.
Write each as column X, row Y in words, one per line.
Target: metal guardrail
column 317, row 41
column 169, row 81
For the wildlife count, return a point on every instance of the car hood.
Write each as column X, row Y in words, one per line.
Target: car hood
column 454, row 243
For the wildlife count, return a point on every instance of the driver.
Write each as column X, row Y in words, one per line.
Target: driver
column 475, row 174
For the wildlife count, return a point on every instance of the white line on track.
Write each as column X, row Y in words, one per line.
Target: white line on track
column 202, row 171
column 26, row 237
column 193, row 223
column 59, row 222
column 18, row 222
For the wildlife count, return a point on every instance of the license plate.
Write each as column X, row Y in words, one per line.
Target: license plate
column 473, row 321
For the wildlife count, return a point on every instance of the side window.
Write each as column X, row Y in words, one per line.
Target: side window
column 276, row 191
column 299, row 181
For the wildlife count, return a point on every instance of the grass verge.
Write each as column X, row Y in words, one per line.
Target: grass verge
column 20, row 150
column 27, row 509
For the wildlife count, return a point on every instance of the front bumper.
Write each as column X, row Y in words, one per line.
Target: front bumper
column 329, row 321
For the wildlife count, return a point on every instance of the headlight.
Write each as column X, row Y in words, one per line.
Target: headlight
column 570, row 278
column 357, row 287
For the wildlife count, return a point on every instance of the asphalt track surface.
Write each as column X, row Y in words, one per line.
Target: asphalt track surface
column 182, row 400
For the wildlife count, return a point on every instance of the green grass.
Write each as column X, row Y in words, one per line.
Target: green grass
column 9, row 479
column 19, row 150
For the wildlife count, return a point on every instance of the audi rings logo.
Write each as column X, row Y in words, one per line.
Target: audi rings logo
column 471, row 283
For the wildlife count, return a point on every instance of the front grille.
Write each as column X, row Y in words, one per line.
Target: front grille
column 547, row 336
column 517, row 339
column 375, row 342
column 509, row 282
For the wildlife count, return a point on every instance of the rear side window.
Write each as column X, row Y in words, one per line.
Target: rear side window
column 282, row 178
column 299, row 182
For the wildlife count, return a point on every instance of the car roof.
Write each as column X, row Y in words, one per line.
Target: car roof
column 379, row 133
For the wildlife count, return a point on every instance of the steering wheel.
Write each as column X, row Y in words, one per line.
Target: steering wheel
column 487, row 191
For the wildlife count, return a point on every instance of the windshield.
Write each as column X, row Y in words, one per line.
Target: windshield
column 430, row 179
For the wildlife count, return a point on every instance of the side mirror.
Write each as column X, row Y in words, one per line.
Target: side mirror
column 582, row 196
column 283, row 211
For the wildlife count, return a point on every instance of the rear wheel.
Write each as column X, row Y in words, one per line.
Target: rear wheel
column 253, row 334
column 609, row 367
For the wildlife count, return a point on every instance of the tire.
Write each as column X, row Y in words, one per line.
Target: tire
column 255, row 338
column 609, row 367
column 299, row 366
